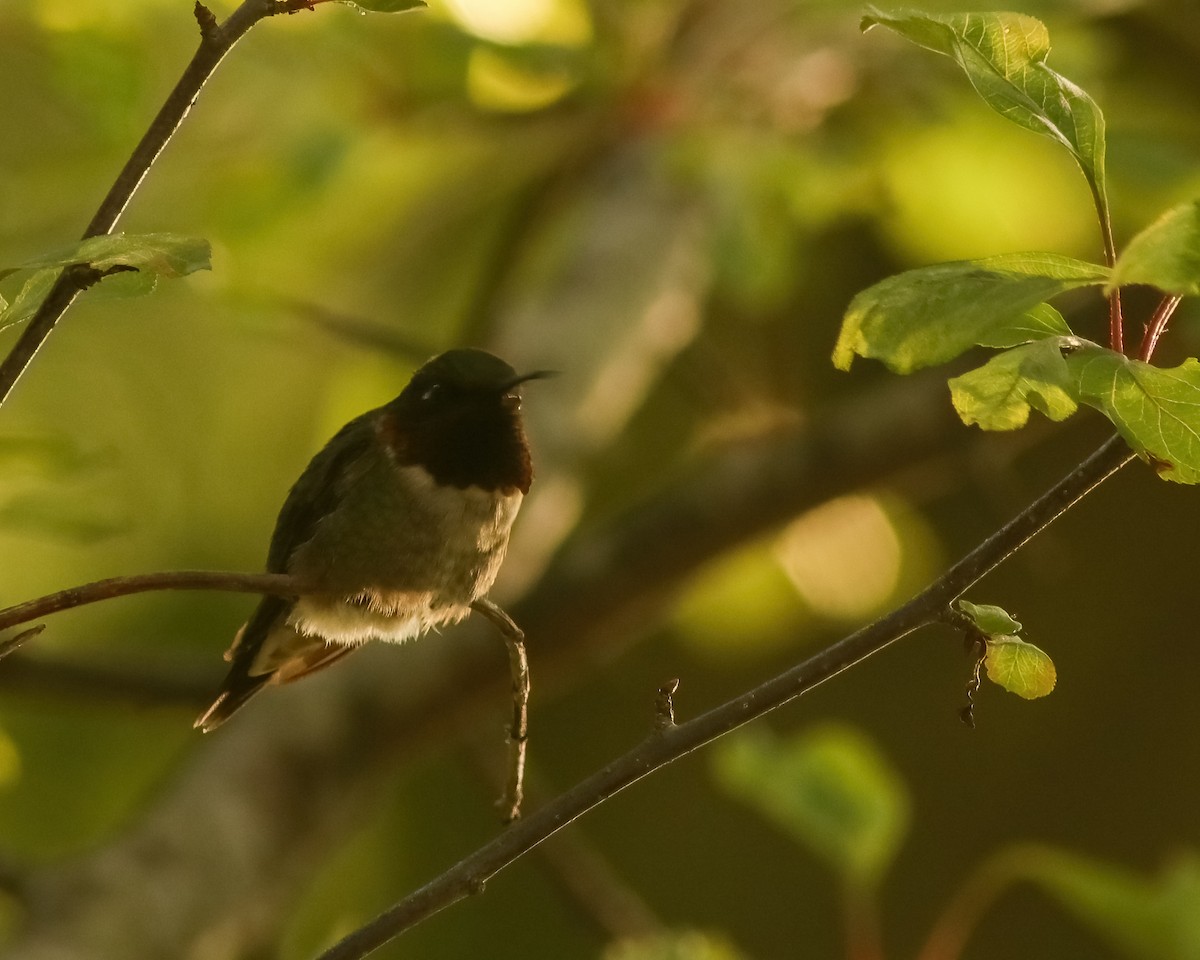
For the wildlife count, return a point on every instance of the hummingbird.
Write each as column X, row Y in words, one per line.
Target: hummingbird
column 394, row 528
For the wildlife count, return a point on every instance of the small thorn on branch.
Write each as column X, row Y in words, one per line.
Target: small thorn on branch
column 209, row 28
column 664, row 705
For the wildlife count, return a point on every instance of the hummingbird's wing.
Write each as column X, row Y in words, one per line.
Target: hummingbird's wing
column 266, row 650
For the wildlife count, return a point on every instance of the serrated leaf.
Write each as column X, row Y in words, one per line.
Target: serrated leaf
column 1151, row 919
column 1166, row 254
column 384, row 6
column 830, row 788
column 989, row 618
column 1156, row 409
column 1037, row 323
column 1000, row 394
column 1004, row 57
column 1019, row 667
column 933, row 314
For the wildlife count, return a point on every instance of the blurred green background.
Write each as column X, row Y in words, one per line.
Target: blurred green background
column 670, row 201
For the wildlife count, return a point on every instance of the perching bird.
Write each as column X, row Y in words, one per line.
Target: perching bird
column 394, row 528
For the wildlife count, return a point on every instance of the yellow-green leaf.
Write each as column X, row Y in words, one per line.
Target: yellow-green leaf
column 1000, row 394
column 1019, row 667
column 989, row 618
column 1156, row 409
column 932, row 314
column 1166, row 254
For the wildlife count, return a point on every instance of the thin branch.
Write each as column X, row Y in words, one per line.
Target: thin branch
column 518, row 733
column 215, row 42
column 670, row 743
column 274, row 583
column 1157, row 326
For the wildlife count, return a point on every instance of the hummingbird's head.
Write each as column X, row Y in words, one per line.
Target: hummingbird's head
column 460, row 418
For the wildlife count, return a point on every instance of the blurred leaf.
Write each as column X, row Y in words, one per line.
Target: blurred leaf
column 1037, row 323
column 989, row 618
column 1004, row 57
column 932, row 314
column 685, row 945
column 830, row 788
column 1145, row 919
column 1000, row 394
column 37, row 495
column 1166, row 254
column 1156, row 410
column 1019, row 667
column 385, row 6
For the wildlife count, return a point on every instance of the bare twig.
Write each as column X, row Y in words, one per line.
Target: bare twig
column 518, row 733
column 663, row 746
column 274, row 583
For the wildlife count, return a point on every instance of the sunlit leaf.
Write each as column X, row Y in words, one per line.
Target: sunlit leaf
column 830, row 788
column 1004, row 57
column 1150, row 919
column 1019, row 667
column 989, row 618
column 1166, row 254
column 1000, row 394
column 933, row 314
column 1037, row 323
column 1156, row 410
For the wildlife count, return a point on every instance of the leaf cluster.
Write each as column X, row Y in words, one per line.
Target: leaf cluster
column 934, row 314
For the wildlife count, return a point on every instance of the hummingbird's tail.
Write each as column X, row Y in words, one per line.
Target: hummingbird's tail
column 267, row 650
column 243, row 681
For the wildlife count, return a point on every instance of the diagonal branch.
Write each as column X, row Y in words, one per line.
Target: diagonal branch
column 216, row 40
column 670, row 742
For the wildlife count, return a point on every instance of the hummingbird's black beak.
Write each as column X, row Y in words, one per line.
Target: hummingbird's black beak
column 526, row 377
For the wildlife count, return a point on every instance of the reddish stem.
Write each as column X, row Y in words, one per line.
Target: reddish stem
column 1157, row 326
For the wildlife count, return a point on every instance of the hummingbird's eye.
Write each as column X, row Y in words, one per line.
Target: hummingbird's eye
column 432, row 394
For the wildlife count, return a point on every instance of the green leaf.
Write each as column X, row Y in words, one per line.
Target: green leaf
column 1166, row 254
column 932, row 314
column 1019, row 667
column 1150, row 919
column 24, row 305
column 1156, row 410
column 164, row 254
column 384, row 6
column 1004, row 57
column 1000, row 394
column 989, row 618
column 1036, row 323
column 150, row 255
column 830, row 788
